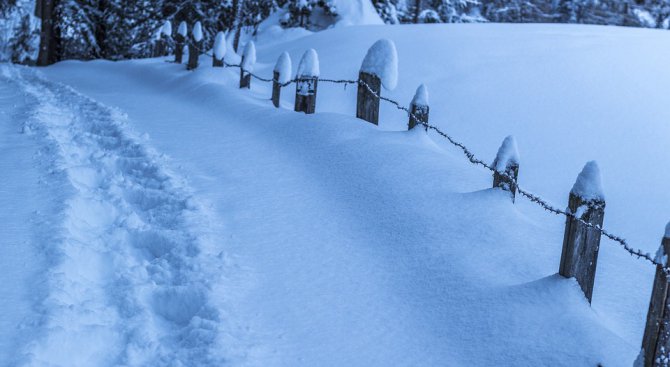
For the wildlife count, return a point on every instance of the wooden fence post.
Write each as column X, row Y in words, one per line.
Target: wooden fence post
column 367, row 102
column 307, row 81
column 162, row 36
column 281, row 75
column 579, row 257
column 656, row 341
column 247, row 65
column 379, row 67
column 194, row 47
column 419, row 108
column 179, row 40
column 506, row 166
column 219, row 50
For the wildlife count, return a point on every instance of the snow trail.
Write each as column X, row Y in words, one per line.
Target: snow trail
column 134, row 268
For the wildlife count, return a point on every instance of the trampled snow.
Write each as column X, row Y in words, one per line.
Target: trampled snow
column 196, row 224
column 309, row 64
column 283, row 67
column 382, row 61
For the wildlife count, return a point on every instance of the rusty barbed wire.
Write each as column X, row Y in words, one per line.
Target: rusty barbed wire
column 472, row 158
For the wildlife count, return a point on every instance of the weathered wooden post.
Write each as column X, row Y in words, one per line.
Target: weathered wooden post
column 307, row 80
column 656, row 341
column 506, row 166
column 281, row 75
column 194, row 47
column 247, row 65
column 419, row 108
column 380, row 67
column 581, row 242
column 162, row 36
column 158, row 45
column 219, row 50
column 179, row 40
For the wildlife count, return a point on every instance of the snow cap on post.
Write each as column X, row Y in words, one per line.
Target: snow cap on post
column 382, row 61
column 197, row 32
column 220, row 46
column 183, row 29
column 249, row 57
column 167, row 28
column 589, row 184
column 421, row 96
column 309, row 65
column 283, row 67
column 508, row 155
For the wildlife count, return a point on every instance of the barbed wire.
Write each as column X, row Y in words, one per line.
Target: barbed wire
column 528, row 195
column 472, row 158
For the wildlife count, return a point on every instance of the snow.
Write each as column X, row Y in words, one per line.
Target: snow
column 183, row 29
column 249, row 58
column 382, row 61
column 197, row 32
column 309, row 64
column 283, row 67
column 167, row 28
column 508, row 154
column 667, row 230
column 287, row 239
column 356, row 12
column 589, row 183
column 421, row 96
column 220, row 46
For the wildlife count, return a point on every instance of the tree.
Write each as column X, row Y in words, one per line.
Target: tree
column 50, row 33
column 21, row 44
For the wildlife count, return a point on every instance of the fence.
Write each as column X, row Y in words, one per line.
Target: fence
column 586, row 206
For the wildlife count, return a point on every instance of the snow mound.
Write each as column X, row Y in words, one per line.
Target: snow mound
column 249, row 58
column 382, row 61
column 183, row 29
column 197, row 32
column 356, row 12
column 589, row 183
column 661, row 257
column 421, row 96
column 508, row 154
column 309, row 64
column 283, row 67
column 167, row 28
column 220, row 46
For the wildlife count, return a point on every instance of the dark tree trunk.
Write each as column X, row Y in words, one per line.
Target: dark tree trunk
column 50, row 40
column 417, row 10
column 237, row 23
column 101, row 30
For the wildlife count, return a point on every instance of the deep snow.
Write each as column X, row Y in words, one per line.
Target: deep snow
column 343, row 243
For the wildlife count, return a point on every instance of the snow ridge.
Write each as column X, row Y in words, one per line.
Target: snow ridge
column 132, row 284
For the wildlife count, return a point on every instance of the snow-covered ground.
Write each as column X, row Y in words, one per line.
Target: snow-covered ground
column 165, row 217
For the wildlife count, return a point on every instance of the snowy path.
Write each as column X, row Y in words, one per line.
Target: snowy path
column 132, row 275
